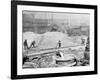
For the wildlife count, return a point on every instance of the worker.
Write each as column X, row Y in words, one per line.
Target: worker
column 83, row 41
column 25, row 44
column 59, row 44
column 32, row 44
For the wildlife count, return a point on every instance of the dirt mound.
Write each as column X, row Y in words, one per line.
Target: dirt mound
column 50, row 40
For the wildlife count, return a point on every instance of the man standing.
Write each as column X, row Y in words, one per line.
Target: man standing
column 32, row 44
column 25, row 44
column 83, row 41
column 59, row 44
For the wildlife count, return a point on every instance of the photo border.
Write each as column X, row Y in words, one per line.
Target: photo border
column 14, row 38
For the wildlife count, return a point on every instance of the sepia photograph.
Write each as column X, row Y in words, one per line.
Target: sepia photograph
column 55, row 39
